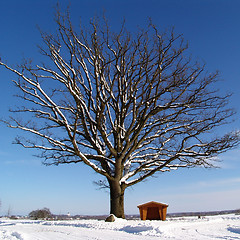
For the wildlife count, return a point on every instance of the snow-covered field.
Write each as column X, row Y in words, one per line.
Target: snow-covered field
column 214, row 227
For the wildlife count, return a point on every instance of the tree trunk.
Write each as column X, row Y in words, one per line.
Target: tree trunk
column 116, row 199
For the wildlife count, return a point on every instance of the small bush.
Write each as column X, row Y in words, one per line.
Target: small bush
column 44, row 213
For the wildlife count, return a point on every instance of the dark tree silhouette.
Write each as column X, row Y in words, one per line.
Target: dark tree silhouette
column 40, row 214
column 127, row 105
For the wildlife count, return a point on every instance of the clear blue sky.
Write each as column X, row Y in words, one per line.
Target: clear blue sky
column 212, row 28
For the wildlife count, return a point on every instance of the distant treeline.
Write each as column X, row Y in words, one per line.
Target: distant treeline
column 208, row 213
column 137, row 216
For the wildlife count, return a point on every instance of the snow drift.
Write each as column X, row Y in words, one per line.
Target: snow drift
column 212, row 227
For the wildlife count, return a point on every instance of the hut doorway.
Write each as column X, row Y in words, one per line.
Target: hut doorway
column 153, row 213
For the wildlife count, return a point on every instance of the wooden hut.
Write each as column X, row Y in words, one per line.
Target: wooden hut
column 153, row 211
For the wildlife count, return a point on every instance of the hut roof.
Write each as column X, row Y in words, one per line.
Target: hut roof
column 152, row 203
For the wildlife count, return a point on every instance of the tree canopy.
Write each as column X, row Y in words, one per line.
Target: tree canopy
column 127, row 105
column 40, row 214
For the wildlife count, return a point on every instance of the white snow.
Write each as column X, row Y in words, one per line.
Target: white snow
column 210, row 227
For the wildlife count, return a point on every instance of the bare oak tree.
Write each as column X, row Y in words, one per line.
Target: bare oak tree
column 127, row 105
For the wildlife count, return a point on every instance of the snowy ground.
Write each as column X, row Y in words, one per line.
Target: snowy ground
column 214, row 227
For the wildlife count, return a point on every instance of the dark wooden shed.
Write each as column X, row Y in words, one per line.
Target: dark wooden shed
column 153, row 211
